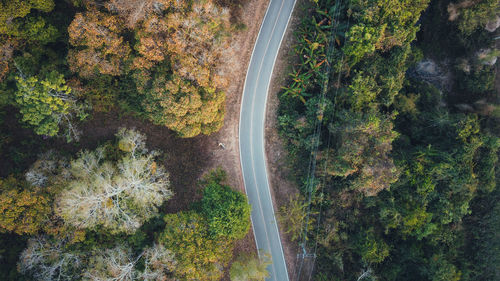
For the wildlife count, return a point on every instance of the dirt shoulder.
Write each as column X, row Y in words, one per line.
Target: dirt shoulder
column 281, row 187
column 223, row 146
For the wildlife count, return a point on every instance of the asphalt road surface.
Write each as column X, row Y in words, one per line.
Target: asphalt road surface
column 252, row 150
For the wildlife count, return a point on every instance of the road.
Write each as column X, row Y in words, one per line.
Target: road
column 251, row 133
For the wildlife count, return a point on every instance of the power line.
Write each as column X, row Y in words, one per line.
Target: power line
column 317, row 134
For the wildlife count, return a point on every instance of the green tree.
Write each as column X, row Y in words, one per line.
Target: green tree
column 362, row 41
column 198, row 256
column 12, row 9
column 473, row 15
column 371, row 247
column 364, row 146
column 363, row 92
column 226, row 210
column 294, row 215
column 250, row 268
column 441, row 269
column 35, row 29
column 47, row 104
column 183, row 107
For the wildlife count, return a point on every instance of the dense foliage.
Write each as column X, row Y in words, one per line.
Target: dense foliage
column 226, row 210
column 405, row 148
column 78, row 204
column 98, row 216
column 158, row 59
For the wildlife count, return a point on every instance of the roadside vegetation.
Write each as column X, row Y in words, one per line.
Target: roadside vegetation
column 83, row 194
column 390, row 117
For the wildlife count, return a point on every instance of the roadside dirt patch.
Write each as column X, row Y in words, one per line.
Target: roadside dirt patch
column 281, row 186
column 223, row 146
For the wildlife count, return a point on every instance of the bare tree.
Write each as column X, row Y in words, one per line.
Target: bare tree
column 115, row 264
column 120, row 195
column 47, row 260
column 158, row 262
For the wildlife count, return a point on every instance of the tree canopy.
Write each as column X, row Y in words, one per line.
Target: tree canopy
column 120, row 195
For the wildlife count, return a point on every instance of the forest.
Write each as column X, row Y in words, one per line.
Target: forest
column 390, row 116
column 391, row 119
column 91, row 186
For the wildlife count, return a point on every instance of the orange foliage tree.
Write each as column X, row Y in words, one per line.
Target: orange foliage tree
column 100, row 48
column 178, row 49
column 191, row 39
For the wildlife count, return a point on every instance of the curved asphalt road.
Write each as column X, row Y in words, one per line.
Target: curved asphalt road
column 252, row 116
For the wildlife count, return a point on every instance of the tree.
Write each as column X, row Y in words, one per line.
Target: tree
column 185, row 108
column 22, row 210
column 471, row 15
column 362, row 41
column 114, row 264
column 198, row 42
column 440, row 269
column 48, row 260
column 250, row 268
column 159, row 262
column 45, row 169
column 226, row 210
column 371, row 248
column 34, row 29
column 198, row 256
column 99, row 46
column 362, row 93
column 190, row 101
column 364, row 145
column 7, row 48
column 134, row 11
column 117, row 195
column 152, row 35
column 119, row 263
column 47, row 104
column 294, row 216
column 12, row 9
column 385, row 24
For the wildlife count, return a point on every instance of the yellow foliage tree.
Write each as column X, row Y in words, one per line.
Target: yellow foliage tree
column 21, row 211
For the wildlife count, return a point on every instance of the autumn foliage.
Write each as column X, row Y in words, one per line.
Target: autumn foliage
column 174, row 57
column 22, row 211
column 100, row 48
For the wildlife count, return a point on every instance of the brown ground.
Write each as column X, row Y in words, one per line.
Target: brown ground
column 281, row 186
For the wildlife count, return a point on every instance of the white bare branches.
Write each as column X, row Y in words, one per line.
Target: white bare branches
column 45, row 168
column 158, row 261
column 118, row 196
column 119, row 264
column 47, row 260
column 115, row 264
